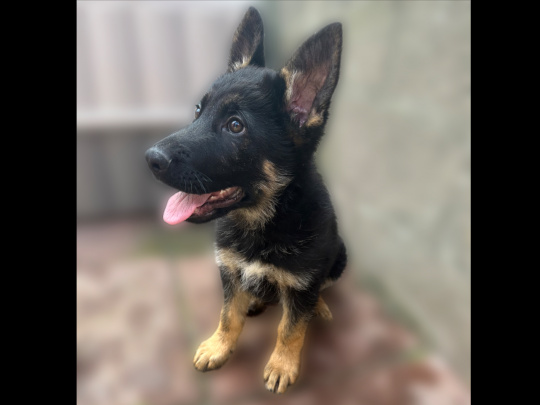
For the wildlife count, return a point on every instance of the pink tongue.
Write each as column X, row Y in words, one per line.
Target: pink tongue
column 181, row 205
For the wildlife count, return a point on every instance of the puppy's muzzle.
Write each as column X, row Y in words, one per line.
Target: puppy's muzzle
column 157, row 160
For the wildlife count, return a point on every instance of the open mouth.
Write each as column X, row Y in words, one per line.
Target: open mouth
column 182, row 206
column 220, row 199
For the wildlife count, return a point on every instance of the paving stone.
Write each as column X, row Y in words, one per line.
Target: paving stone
column 130, row 345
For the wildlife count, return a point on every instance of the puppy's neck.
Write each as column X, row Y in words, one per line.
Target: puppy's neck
column 283, row 197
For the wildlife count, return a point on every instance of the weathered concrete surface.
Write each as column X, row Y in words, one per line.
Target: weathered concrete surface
column 140, row 318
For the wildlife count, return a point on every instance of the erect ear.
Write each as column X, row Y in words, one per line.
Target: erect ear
column 311, row 76
column 247, row 47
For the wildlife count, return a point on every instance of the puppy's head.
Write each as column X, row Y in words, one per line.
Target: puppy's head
column 253, row 131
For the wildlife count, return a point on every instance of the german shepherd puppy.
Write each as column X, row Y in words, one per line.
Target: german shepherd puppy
column 247, row 161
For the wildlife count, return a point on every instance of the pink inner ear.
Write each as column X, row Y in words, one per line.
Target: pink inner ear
column 305, row 87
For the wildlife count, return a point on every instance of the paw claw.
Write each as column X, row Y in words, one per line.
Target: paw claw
column 279, row 377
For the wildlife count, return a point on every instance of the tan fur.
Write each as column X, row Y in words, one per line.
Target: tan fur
column 327, row 283
column 257, row 216
column 252, row 272
column 314, row 120
column 289, row 79
column 256, row 305
column 215, row 351
column 322, row 310
column 284, row 363
column 246, row 59
column 297, row 139
column 243, row 64
column 256, row 270
column 227, row 258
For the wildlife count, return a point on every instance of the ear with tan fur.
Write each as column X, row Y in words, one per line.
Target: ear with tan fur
column 247, row 48
column 311, row 76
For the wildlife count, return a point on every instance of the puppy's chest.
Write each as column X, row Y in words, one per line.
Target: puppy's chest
column 252, row 274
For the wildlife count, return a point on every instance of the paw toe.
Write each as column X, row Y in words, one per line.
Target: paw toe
column 277, row 380
column 208, row 357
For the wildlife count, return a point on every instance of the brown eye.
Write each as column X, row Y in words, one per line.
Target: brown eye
column 197, row 110
column 235, row 126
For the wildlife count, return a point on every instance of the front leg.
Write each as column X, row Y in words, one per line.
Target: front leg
column 215, row 351
column 284, row 364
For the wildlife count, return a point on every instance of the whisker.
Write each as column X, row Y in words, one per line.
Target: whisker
column 202, row 186
column 205, row 178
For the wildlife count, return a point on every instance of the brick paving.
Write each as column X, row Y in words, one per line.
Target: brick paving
column 141, row 318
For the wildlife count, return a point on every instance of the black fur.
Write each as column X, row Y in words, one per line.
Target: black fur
column 283, row 115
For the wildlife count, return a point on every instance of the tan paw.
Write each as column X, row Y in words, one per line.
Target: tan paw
column 212, row 354
column 279, row 374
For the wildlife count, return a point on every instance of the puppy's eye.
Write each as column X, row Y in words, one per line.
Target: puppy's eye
column 197, row 110
column 235, row 125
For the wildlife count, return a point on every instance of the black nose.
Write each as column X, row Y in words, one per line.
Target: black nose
column 157, row 160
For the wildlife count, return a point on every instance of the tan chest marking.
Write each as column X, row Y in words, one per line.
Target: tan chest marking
column 255, row 217
column 253, row 272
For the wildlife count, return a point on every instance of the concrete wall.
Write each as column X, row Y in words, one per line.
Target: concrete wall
column 397, row 153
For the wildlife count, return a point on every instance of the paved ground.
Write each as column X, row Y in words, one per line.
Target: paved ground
column 142, row 316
